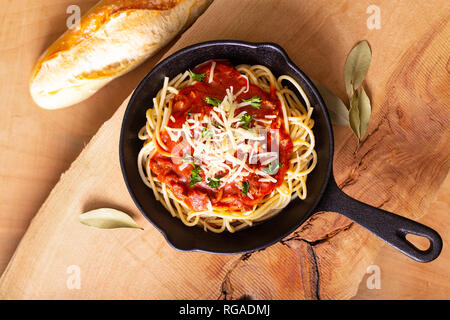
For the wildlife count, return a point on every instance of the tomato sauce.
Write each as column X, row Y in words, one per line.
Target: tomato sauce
column 192, row 99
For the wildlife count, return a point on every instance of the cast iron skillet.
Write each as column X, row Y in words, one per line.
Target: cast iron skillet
column 323, row 193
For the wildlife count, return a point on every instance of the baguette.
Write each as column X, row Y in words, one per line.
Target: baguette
column 114, row 37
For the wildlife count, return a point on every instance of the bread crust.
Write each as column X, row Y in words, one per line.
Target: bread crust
column 114, row 37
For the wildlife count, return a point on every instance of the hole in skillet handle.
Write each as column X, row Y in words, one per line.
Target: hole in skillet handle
column 386, row 225
column 419, row 242
column 422, row 243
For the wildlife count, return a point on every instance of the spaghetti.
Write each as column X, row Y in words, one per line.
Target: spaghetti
column 226, row 147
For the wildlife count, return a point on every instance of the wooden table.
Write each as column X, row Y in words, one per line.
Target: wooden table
column 401, row 167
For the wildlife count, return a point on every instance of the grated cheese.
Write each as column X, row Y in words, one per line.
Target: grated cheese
column 211, row 72
column 227, row 149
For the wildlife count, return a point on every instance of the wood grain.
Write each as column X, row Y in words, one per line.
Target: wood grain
column 400, row 166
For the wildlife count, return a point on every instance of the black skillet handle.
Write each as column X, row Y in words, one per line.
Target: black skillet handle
column 388, row 226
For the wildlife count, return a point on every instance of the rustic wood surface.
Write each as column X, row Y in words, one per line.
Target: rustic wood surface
column 400, row 167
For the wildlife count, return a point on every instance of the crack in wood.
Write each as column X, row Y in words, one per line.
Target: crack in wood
column 312, row 283
column 326, row 237
column 309, row 268
column 358, row 168
column 354, row 174
column 226, row 287
column 316, row 273
column 309, row 265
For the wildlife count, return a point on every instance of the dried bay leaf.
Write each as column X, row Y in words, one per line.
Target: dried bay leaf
column 353, row 115
column 365, row 110
column 360, row 111
column 336, row 108
column 357, row 66
column 107, row 218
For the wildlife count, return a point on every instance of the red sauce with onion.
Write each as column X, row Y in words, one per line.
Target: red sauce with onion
column 191, row 100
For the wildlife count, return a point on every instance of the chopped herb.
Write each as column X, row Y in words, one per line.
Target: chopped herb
column 212, row 101
column 195, row 175
column 197, row 76
column 245, row 187
column 216, row 124
column 255, row 102
column 206, row 133
column 188, row 113
column 214, row 183
column 272, row 168
column 246, row 119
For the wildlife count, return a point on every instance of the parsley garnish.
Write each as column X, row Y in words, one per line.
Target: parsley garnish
column 206, row 133
column 246, row 119
column 214, row 183
column 213, row 101
column 197, row 76
column 245, row 187
column 195, row 175
column 272, row 168
column 216, row 124
column 255, row 102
